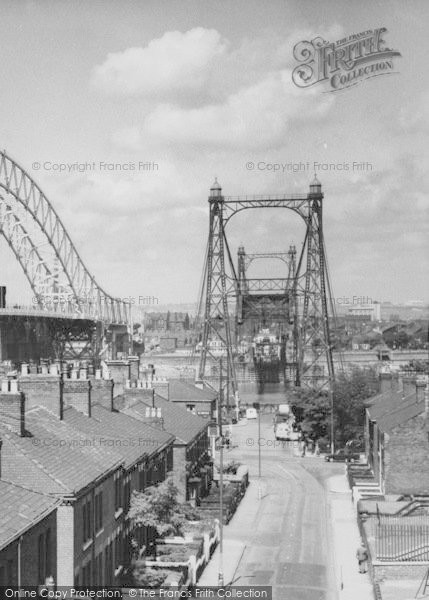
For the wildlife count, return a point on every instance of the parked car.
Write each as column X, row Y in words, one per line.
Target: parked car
column 251, row 413
column 343, row 455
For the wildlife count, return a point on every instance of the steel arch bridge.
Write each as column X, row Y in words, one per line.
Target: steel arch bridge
column 60, row 281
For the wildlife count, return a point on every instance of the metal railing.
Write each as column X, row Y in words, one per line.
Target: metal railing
column 401, row 539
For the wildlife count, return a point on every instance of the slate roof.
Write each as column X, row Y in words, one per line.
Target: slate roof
column 139, row 435
column 52, row 458
column 176, row 419
column 385, row 402
column 408, row 410
column 182, row 391
column 20, row 509
column 392, row 408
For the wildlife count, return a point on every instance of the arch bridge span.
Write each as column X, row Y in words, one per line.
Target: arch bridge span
column 60, row 281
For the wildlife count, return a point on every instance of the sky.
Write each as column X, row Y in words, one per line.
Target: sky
column 197, row 90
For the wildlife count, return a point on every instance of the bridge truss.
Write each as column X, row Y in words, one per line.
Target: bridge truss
column 303, row 296
column 59, row 279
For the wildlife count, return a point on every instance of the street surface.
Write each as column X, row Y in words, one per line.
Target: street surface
column 289, row 544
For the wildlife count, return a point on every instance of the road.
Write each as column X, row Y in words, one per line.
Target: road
column 289, row 545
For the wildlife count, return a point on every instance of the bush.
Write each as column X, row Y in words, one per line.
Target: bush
column 231, row 467
column 148, row 577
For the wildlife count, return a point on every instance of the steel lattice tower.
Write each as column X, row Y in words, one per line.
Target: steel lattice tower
column 308, row 292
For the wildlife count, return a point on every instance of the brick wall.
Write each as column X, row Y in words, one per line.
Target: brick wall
column 120, row 372
column 102, row 392
column 112, row 524
column 179, row 471
column 30, row 553
column 12, row 411
column 77, row 393
column 65, row 550
column 399, row 572
column 42, row 390
column 406, row 458
column 134, row 367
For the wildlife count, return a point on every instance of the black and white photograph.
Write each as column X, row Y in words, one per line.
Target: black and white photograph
column 214, row 299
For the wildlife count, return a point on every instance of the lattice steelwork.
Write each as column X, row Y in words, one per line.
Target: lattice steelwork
column 58, row 277
column 308, row 281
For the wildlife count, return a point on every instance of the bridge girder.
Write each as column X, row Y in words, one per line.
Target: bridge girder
column 57, row 275
column 314, row 365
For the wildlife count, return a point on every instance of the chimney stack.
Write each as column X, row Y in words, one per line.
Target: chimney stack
column 12, row 408
column 385, row 383
column 421, row 388
column 409, row 386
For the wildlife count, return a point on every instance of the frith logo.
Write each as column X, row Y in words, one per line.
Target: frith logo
column 344, row 63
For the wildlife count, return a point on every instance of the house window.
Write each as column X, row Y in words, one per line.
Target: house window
column 10, row 573
column 87, row 529
column 98, row 570
column 118, row 491
column 48, row 553
column 170, row 459
column 141, row 480
column 127, row 494
column 41, row 558
column 86, row 574
column 107, row 566
column 99, row 511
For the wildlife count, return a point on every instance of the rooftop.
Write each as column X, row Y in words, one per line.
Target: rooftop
column 131, row 431
column 20, row 508
column 393, row 408
column 53, row 457
column 184, row 425
column 182, row 391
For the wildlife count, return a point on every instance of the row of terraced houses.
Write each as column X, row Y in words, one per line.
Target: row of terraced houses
column 73, row 449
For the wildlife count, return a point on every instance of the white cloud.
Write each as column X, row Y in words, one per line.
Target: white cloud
column 254, row 117
column 174, row 63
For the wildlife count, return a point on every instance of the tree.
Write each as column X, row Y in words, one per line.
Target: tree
column 315, row 410
column 158, row 508
column 186, row 322
column 351, row 390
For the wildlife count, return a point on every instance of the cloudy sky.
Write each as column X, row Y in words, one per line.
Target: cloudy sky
column 202, row 88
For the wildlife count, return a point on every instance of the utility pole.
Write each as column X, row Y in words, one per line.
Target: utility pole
column 220, row 572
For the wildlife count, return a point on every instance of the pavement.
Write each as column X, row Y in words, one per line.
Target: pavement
column 299, row 534
column 237, row 535
column 352, row 585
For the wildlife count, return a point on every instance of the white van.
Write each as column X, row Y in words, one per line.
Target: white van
column 251, row 413
column 284, row 431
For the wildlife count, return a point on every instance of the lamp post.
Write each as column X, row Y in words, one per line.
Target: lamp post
column 331, row 399
column 257, row 406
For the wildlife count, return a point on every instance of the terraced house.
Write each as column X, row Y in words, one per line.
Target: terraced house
column 397, row 435
column 193, row 472
column 27, row 536
column 60, row 443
